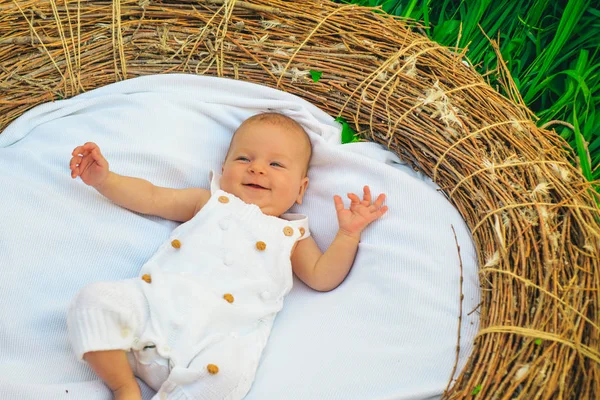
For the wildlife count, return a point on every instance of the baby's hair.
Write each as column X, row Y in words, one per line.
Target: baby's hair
column 278, row 119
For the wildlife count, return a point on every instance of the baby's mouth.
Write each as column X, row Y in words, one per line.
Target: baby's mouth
column 254, row 186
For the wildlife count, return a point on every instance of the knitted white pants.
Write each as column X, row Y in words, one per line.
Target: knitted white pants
column 113, row 316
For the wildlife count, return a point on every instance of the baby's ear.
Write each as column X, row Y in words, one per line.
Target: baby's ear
column 303, row 186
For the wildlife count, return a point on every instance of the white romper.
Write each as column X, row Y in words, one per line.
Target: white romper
column 198, row 317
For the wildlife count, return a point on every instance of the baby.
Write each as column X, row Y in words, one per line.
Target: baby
column 194, row 323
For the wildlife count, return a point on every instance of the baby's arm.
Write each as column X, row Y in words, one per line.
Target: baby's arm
column 325, row 271
column 133, row 193
column 142, row 196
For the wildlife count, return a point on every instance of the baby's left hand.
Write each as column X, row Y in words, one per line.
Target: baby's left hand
column 361, row 213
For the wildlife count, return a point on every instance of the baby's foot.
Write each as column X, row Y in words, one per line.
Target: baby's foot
column 128, row 392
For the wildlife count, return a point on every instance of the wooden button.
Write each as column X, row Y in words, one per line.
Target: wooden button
column 288, row 231
column 302, row 230
column 261, row 246
column 223, row 199
column 176, row 243
column 147, row 278
column 212, row 369
column 228, row 297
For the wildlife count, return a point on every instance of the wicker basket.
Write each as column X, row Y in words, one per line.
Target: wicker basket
column 533, row 216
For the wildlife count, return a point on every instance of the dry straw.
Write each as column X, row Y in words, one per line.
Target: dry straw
column 533, row 216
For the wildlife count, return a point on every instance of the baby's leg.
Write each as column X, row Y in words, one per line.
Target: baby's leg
column 104, row 320
column 113, row 368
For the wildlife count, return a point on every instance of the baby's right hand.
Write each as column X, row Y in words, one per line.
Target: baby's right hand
column 89, row 164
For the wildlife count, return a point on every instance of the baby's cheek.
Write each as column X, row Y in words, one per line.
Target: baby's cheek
column 226, row 183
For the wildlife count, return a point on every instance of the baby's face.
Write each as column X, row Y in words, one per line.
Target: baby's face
column 265, row 166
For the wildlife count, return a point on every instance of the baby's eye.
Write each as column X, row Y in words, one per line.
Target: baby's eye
column 242, row 158
column 276, row 164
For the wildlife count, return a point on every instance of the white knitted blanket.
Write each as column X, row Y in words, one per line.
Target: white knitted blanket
column 388, row 332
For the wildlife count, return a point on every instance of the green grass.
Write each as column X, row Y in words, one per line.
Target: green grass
column 551, row 47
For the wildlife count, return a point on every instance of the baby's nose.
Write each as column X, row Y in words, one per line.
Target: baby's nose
column 257, row 169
